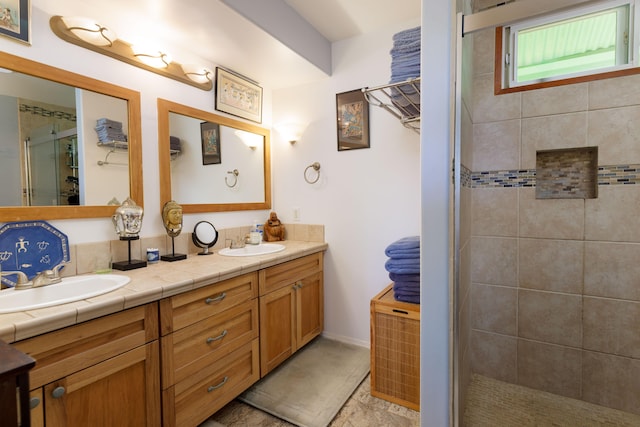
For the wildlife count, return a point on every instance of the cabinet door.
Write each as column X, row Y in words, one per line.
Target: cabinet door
column 277, row 327
column 121, row 391
column 309, row 309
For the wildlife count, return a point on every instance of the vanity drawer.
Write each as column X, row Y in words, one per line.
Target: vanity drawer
column 186, row 309
column 194, row 399
column 72, row 349
column 284, row 274
column 210, row 339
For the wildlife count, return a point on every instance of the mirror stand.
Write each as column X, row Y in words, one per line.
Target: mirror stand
column 129, row 264
column 174, row 256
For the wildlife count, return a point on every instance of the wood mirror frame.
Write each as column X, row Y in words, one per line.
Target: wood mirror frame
column 164, row 108
column 25, row 213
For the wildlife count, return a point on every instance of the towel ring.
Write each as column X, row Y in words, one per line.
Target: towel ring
column 316, row 167
column 235, row 174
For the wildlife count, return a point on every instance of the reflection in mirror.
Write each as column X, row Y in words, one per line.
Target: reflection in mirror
column 211, row 163
column 53, row 156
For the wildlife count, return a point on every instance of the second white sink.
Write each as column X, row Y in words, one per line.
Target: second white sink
column 251, row 250
column 70, row 289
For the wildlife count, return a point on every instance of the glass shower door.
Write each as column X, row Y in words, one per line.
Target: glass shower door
column 42, row 168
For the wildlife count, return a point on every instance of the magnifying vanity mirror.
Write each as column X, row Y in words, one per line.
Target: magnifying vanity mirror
column 212, row 163
column 54, row 163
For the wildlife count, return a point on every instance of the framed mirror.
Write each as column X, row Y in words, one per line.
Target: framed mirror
column 212, row 163
column 52, row 149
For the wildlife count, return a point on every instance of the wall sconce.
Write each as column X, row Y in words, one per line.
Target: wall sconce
column 292, row 132
column 87, row 33
column 251, row 140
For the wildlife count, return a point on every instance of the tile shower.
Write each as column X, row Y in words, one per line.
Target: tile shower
column 549, row 289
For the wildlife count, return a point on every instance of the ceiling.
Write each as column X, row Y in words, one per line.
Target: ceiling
column 213, row 32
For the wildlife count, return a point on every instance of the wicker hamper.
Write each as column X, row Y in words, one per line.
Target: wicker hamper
column 395, row 350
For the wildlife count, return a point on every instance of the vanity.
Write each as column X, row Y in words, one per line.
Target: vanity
column 175, row 344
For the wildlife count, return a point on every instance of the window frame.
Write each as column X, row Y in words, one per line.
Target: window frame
column 630, row 68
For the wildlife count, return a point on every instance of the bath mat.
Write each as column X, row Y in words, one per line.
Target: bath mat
column 309, row 388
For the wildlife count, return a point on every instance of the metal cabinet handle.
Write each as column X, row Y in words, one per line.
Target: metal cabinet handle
column 216, row 299
column 215, row 387
column 299, row 285
column 34, row 402
column 219, row 337
column 58, row 392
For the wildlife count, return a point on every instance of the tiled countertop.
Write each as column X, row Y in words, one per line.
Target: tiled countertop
column 152, row 283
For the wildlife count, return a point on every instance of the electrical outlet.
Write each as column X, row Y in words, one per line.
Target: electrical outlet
column 296, row 214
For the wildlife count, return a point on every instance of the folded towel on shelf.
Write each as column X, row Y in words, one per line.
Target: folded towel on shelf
column 174, row 143
column 403, row 265
column 408, row 34
column 405, row 278
column 403, row 246
column 414, row 299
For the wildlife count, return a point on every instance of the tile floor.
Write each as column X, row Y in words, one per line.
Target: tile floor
column 361, row 410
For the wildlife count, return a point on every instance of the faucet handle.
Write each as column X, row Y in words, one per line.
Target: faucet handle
column 56, row 270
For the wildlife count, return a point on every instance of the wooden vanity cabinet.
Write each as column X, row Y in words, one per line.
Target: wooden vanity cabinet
column 291, row 308
column 102, row 372
column 210, row 348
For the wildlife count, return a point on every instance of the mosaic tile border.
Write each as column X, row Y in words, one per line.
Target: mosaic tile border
column 607, row 175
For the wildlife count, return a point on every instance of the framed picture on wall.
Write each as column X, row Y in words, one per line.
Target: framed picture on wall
column 15, row 20
column 238, row 95
column 353, row 120
column 210, row 135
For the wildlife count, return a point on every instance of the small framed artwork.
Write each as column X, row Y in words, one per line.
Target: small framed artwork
column 210, row 134
column 15, row 19
column 238, row 96
column 353, row 120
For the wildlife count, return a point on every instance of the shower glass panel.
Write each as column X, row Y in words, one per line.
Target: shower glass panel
column 51, row 167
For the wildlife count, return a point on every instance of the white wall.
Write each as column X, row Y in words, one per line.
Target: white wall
column 366, row 198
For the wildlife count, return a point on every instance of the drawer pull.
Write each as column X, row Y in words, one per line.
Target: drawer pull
column 219, row 337
column 215, row 387
column 58, row 392
column 297, row 286
column 34, row 402
column 395, row 310
column 216, row 299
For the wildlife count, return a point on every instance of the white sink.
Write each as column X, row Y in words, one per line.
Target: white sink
column 251, row 250
column 68, row 290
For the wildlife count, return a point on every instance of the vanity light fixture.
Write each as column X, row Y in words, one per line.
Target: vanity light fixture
column 197, row 73
column 86, row 33
column 151, row 56
column 89, row 30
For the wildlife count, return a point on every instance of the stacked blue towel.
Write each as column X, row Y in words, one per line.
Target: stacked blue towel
column 109, row 131
column 405, row 65
column 403, row 266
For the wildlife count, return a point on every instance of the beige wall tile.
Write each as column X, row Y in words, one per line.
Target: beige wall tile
column 466, row 219
column 93, row 256
column 484, row 51
column 613, row 216
column 494, row 309
column 616, row 133
column 555, row 100
column 611, row 381
column 490, row 108
column 550, row 218
column 494, row 261
column 466, row 138
column 316, row 233
column 550, row 368
column 496, row 146
column 465, row 270
column 550, row 133
column 616, row 92
column 494, row 355
column 495, row 212
column 612, row 270
column 611, row 326
column 550, row 317
column 551, row 265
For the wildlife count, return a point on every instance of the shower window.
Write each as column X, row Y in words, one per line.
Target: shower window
column 582, row 44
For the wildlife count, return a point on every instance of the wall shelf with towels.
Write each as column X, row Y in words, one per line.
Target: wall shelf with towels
column 401, row 99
